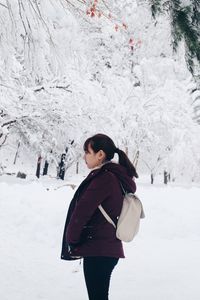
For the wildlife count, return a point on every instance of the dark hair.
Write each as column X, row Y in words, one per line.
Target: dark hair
column 103, row 142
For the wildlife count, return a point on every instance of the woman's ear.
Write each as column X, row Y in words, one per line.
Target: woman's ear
column 102, row 155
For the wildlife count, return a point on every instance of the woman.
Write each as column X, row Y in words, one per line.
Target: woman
column 87, row 233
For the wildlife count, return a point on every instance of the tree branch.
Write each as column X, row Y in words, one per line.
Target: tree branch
column 8, row 123
column 13, row 121
column 54, row 87
column 39, row 89
column 3, row 5
column 62, row 87
column 5, row 138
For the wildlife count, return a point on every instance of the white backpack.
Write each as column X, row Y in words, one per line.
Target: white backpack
column 129, row 219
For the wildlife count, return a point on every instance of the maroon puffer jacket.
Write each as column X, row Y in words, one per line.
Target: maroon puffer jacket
column 86, row 228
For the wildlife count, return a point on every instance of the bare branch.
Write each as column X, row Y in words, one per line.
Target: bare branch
column 39, row 89
column 62, row 87
column 39, row 15
column 2, row 114
column 8, row 123
column 13, row 121
column 54, row 87
column 20, row 13
column 3, row 5
column 11, row 14
column 5, row 138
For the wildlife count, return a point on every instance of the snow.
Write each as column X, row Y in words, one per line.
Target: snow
column 161, row 263
column 62, row 70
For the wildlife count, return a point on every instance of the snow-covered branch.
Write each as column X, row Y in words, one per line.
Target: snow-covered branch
column 3, row 5
column 65, row 88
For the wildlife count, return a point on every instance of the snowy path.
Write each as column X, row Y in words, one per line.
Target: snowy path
column 162, row 263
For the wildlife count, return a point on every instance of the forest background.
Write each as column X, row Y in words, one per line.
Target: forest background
column 130, row 69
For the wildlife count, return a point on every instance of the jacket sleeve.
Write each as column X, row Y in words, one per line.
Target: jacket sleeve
column 96, row 193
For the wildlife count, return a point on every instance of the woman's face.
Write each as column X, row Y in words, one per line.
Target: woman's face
column 93, row 159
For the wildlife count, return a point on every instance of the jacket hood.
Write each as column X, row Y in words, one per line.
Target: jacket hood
column 120, row 172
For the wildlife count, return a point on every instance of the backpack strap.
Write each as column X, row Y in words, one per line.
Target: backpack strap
column 106, row 216
column 122, row 188
column 104, row 213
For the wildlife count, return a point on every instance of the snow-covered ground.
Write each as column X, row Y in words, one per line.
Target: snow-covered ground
column 163, row 262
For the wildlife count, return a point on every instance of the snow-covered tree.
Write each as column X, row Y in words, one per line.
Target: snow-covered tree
column 184, row 20
column 70, row 69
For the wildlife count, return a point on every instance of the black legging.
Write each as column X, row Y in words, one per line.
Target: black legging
column 97, row 272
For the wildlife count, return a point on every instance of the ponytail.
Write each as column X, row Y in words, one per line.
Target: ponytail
column 125, row 162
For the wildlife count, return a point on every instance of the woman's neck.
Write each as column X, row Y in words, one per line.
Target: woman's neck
column 101, row 165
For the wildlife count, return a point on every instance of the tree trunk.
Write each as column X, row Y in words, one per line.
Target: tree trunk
column 61, row 167
column 152, row 178
column 77, row 167
column 165, row 177
column 45, row 169
column 169, row 177
column 136, row 159
column 16, row 154
column 38, row 166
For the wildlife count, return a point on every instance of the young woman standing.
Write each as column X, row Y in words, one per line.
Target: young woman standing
column 87, row 233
